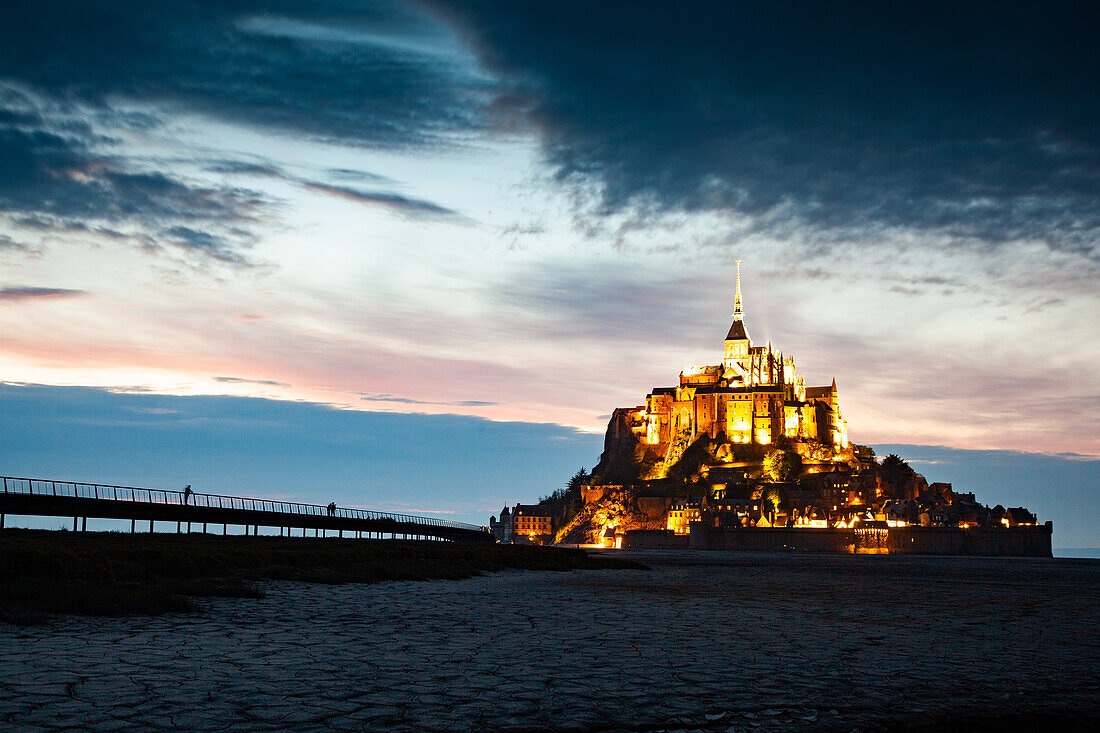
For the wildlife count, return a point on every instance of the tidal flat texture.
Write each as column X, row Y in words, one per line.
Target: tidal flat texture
column 701, row 641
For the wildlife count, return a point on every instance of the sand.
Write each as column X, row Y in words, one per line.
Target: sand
column 702, row 641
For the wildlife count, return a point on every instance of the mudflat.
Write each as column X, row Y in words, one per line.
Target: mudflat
column 113, row 574
column 700, row 641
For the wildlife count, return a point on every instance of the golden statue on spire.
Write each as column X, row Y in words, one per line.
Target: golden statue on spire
column 738, row 314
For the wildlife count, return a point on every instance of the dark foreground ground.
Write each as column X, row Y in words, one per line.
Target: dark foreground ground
column 701, row 642
column 111, row 574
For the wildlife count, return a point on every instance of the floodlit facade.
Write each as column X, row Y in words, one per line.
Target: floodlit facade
column 754, row 396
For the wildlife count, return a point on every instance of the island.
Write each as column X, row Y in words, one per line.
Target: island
column 743, row 455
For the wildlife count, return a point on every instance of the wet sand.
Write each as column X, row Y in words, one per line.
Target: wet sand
column 702, row 641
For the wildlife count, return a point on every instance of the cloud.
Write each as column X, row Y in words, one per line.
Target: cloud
column 982, row 122
column 20, row 294
column 411, row 401
column 55, row 180
column 368, row 73
column 7, row 243
column 82, row 80
column 602, row 303
column 208, row 244
column 242, row 380
column 349, row 174
column 409, row 207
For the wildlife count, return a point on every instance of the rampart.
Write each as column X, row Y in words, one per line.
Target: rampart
column 655, row 539
column 998, row 541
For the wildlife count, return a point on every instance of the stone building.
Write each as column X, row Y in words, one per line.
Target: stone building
column 501, row 529
column 523, row 524
column 682, row 513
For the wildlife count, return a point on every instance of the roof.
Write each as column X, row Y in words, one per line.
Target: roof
column 530, row 510
column 737, row 331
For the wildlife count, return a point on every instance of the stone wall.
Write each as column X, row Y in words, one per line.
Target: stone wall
column 655, row 508
column 1007, row 542
column 771, row 539
column 993, row 541
column 654, row 539
column 594, row 494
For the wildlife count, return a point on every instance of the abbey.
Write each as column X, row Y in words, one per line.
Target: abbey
column 754, row 396
column 745, row 445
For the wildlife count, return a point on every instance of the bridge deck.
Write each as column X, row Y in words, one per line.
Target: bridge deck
column 40, row 497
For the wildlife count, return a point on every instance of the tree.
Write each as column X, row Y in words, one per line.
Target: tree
column 782, row 466
column 771, row 496
column 564, row 503
column 896, row 471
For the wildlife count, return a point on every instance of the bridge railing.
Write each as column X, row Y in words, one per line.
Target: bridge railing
column 47, row 487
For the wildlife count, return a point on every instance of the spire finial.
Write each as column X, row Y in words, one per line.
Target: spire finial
column 738, row 314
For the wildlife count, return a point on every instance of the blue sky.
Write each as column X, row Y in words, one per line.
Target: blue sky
column 529, row 215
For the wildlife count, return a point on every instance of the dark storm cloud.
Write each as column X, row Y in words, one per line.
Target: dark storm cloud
column 359, row 72
column 979, row 119
column 55, row 181
column 29, row 293
column 363, row 73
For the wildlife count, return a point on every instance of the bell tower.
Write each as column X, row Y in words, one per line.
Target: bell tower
column 735, row 361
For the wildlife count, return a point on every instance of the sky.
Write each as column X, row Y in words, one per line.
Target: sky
column 496, row 221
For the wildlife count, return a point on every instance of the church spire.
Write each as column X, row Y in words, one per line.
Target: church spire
column 738, row 314
column 737, row 330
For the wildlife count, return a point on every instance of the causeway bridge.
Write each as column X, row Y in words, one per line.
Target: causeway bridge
column 44, row 497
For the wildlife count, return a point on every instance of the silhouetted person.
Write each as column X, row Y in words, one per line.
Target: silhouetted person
column 187, row 493
column 332, row 509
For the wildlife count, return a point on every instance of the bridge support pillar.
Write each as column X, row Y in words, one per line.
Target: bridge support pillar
column 341, row 534
column 132, row 523
column 179, row 527
column 83, row 524
column 1, row 521
column 225, row 529
column 150, row 526
column 204, row 527
column 188, row 528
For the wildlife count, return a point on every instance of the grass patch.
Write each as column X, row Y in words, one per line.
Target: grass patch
column 112, row 574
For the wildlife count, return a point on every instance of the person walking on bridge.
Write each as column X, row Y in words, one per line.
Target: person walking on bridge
column 187, row 494
column 332, row 509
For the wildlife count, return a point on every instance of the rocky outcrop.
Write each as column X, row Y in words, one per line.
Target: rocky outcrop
column 620, row 509
column 625, row 459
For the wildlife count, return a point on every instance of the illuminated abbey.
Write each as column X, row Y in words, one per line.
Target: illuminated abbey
column 755, row 396
column 745, row 445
